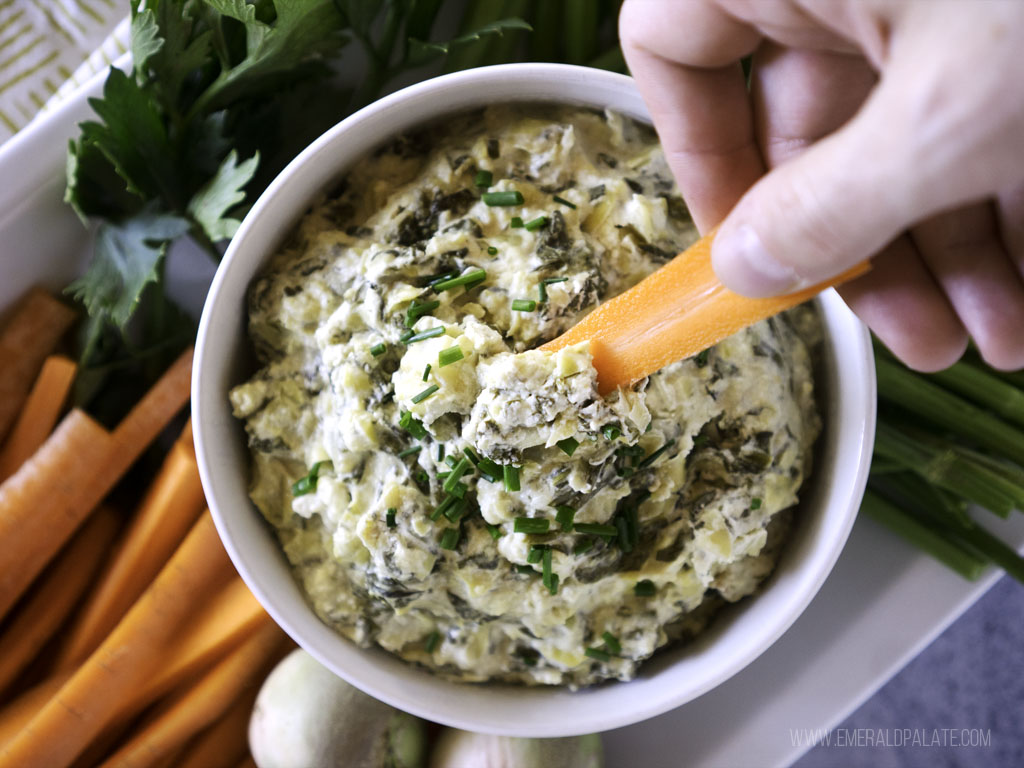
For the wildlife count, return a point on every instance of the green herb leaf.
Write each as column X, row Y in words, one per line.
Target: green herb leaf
column 569, row 445
column 220, row 194
column 421, row 52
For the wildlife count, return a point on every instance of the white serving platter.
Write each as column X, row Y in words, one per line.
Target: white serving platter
column 882, row 604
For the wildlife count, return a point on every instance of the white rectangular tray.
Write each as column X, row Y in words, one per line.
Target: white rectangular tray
column 883, row 603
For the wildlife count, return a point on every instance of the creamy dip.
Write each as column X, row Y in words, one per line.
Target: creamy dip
column 465, row 501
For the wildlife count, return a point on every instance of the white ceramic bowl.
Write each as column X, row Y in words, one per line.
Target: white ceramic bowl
column 828, row 507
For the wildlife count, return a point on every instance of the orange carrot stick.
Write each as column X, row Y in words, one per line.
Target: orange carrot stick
column 132, row 654
column 224, row 743
column 673, row 313
column 169, row 509
column 201, row 704
column 43, row 503
column 38, row 323
column 55, row 595
column 39, row 415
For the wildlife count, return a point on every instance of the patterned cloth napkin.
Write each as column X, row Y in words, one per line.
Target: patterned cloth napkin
column 48, row 48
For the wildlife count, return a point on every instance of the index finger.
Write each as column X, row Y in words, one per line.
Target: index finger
column 685, row 58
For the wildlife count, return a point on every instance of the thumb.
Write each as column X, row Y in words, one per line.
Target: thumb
column 824, row 211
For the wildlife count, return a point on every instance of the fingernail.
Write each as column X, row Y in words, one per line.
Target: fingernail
column 745, row 266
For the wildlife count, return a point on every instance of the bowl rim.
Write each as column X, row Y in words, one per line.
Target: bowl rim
column 520, row 711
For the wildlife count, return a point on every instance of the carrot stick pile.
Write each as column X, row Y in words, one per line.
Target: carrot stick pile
column 126, row 637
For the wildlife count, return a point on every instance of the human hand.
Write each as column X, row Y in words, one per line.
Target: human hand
column 894, row 128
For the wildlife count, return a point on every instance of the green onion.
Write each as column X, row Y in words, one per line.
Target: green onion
column 468, row 279
column 425, row 393
column 390, row 517
column 483, row 179
column 406, row 336
column 447, row 503
column 755, row 503
column 432, row 640
column 611, row 642
column 552, row 583
column 525, row 569
column 458, row 489
column 440, row 277
column 423, row 335
column 597, row 529
column 546, row 574
column 442, row 475
column 542, row 287
column 410, row 451
column 492, row 251
column 307, row 484
column 440, row 452
column 471, row 456
column 654, row 456
column 531, row 525
column 417, row 310
column 611, row 432
column 426, row 372
column 516, row 223
column 456, row 510
column 563, row 201
column 504, row 198
column 597, row 653
column 523, row 305
column 494, row 530
column 449, row 356
column 535, row 224
column 511, row 476
column 450, row 538
column 457, row 472
column 535, row 554
column 644, row 588
column 565, row 516
column 490, row 471
column 585, row 545
column 378, row 349
column 569, row 445
column 451, row 461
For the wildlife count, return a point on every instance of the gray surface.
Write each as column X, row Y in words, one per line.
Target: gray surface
column 971, row 677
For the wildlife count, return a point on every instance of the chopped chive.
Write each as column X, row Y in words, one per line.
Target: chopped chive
column 597, row 529
column 531, row 525
column 390, row 517
column 426, row 372
column 432, row 640
column 644, row 588
column 563, row 201
column 611, row 642
column 440, row 452
column 417, row 310
column 755, row 503
column 565, row 516
column 523, row 305
column 442, row 475
column 632, row 518
column 451, row 461
column 597, row 653
column 307, row 484
column 378, row 349
column 584, row 546
column 553, row 280
column 552, row 583
column 622, row 527
column 546, row 573
column 456, row 510
column 406, row 336
column 511, row 477
column 569, row 445
column 425, row 393
column 457, row 472
column 471, row 456
column 483, row 179
column 443, row 507
column 494, row 530
column 535, row 224
column 458, row 489
column 516, row 223
column 542, row 287
column 449, row 356
column 422, row 335
column 611, row 432
column 492, row 251
column 468, row 279
column 410, row 451
column 450, row 538
column 535, row 554
column 654, row 456
column 490, row 471
column 441, row 277
column 525, row 569
column 504, row 198
column 702, row 358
